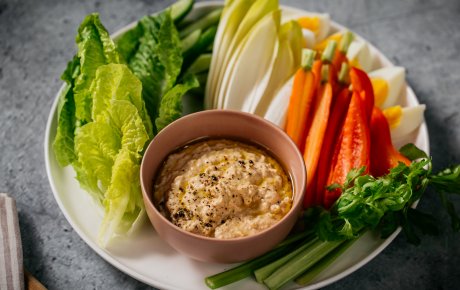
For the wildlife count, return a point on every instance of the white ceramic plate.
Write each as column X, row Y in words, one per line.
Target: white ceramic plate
column 147, row 258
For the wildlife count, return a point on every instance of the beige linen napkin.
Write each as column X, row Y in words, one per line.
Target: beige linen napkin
column 11, row 268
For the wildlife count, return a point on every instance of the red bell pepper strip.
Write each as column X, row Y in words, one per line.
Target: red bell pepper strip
column 352, row 150
column 362, row 84
column 337, row 116
column 384, row 155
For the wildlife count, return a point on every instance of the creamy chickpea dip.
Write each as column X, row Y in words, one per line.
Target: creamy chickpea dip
column 223, row 188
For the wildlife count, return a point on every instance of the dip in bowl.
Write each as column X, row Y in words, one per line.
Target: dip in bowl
column 237, row 206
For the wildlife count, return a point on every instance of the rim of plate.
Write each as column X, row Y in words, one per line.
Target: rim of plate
column 153, row 282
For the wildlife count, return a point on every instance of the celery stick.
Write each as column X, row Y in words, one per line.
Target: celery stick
column 300, row 263
column 313, row 272
column 245, row 270
column 262, row 273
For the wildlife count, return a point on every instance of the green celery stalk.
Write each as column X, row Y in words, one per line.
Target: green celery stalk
column 300, row 263
column 319, row 267
column 262, row 273
column 246, row 269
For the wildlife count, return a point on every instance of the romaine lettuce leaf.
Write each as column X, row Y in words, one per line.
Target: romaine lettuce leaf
column 128, row 43
column 95, row 48
column 171, row 104
column 63, row 144
column 108, row 152
column 106, row 111
column 123, row 202
column 157, row 59
column 117, row 82
column 96, row 145
column 125, row 118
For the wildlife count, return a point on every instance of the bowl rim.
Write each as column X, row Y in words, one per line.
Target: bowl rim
column 296, row 201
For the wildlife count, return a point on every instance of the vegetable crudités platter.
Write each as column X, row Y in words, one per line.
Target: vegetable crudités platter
column 253, row 56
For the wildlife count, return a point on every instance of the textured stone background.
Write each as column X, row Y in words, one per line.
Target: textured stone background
column 37, row 40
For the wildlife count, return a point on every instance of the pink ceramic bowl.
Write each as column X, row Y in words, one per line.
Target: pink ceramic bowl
column 231, row 124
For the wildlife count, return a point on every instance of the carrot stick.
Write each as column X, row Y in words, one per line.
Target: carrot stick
column 337, row 116
column 340, row 55
column 315, row 139
column 301, row 99
column 296, row 95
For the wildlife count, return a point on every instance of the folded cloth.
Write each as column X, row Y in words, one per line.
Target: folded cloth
column 11, row 268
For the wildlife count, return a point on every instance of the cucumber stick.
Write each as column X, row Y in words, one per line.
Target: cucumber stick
column 204, row 40
column 190, row 41
column 203, row 23
column 201, row 64
column 180, row 9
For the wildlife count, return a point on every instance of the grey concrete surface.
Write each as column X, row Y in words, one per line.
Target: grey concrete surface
column 37, row 40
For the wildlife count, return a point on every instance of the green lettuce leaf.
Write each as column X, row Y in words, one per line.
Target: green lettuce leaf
column 97, row 145
column 63, row 144
column 125, row 118
column 128, row 43
column 171, row 104
column 122, row 203
column 117, row 82
column 95, row 48
column 108, row 152
column 156, row 60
